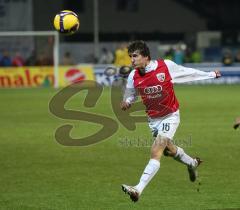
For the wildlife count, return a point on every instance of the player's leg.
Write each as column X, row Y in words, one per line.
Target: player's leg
column 163, row 129
column 154, row 163
column 177, row 152
column 192, row 163
column 150, row 170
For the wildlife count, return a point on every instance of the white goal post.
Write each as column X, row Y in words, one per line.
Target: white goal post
column 55, row 52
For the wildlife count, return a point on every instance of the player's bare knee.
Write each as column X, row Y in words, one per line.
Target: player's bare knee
column 170, row 149
column 161, row 141
column 158, row 147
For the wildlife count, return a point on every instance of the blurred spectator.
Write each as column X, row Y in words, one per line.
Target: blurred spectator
column 227, row 58
column 5, row 60
column 31, row 60
column 106, row 56
column 18, row 60
column 188, row 55
column 169, row 54
column 90, row 58
column 67, row 59
column 121, row 56
column 196, row 56
column 178, row 56
column 237, row 57
column 43, row 60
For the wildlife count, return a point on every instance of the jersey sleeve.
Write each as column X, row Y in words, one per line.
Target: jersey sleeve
column 181, row 74
column 130, row 95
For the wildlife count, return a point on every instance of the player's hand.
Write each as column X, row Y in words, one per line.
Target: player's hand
column 124, row 105
column 218, row 74
column 237, row 123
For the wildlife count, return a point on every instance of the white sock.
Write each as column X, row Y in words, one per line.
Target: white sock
column 182, row 157
column 149, row 172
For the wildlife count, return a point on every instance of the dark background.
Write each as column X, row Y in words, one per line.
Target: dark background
column 146, row 19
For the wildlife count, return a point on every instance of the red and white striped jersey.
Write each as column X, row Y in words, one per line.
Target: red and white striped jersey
column 156, row 86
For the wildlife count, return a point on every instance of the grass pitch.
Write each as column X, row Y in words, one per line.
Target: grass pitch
column 36, row 172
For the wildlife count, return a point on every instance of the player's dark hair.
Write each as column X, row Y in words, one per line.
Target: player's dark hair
column 140, row 46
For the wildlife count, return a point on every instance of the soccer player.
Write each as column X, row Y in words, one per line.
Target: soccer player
column 153, row 81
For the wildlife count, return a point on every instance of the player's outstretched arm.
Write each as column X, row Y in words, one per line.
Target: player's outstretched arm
column 237, row 123
column 181, row 74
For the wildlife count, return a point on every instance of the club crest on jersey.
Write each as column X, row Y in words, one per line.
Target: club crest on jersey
column 161, row 77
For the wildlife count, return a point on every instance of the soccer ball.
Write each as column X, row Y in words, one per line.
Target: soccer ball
column 66, row 22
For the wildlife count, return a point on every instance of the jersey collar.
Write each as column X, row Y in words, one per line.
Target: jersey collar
column 151, row 66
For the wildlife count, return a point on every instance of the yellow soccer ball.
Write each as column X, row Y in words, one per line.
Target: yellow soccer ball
column 66, row 22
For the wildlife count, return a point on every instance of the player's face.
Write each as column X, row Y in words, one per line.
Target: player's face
column 138, row 61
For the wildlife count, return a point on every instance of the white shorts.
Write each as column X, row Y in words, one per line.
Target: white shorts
column 165, row 126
